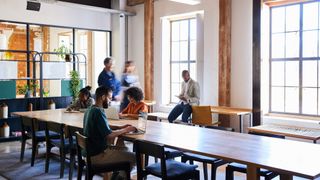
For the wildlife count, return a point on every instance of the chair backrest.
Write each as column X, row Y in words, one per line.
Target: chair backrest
column 150, row 149
column 72, row 133
column 268, row 135
column 221, row 128
column 201, row 115
column 57, row 128
column 82, row 146
column 29, row 125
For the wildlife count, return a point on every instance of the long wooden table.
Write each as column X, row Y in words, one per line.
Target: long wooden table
column 289, row 158
column 288, row 131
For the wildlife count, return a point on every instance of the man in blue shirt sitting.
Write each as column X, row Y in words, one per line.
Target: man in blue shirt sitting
column 99, row 133
column 108, row 79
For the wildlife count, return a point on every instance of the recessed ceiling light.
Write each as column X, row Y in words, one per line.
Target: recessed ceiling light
column 190, row 2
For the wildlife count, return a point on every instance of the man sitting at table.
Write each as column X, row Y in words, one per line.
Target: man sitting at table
column 189, row 96
column 99, row 132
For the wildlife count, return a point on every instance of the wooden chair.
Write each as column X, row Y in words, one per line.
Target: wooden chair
column 30, row 130
column 201, row 115
column 62, row 143
column 73, row 152
column 214, row 162
column 170, row 153
column 267, row 174
column 92, row 169
column 167, row 168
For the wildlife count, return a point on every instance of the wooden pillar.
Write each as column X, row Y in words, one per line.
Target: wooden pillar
column 224, row 57
column 148, row 49
column 256, row 62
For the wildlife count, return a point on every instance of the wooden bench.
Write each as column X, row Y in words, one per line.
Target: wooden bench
column 288, row 131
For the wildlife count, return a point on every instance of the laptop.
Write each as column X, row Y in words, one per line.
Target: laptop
column 142, row 124
column 112, row 113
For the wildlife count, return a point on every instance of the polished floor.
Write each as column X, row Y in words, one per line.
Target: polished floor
column 9, row 161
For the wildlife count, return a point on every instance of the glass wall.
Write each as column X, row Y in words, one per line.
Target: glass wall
column 55, row 43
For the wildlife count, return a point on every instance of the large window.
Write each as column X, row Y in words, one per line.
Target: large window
column 183, row 53
column 294, row 59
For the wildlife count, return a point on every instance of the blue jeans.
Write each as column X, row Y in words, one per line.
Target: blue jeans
column 184, row 109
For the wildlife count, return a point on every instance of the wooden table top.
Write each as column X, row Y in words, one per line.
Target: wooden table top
column 284, row 156
column 230, row 110
column 290, row 131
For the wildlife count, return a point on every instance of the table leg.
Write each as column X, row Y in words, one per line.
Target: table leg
column 252, row 172
column 315, row 141
column 286, row 177
column 240, row 123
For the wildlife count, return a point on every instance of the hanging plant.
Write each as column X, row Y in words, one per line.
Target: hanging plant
column 74, row 84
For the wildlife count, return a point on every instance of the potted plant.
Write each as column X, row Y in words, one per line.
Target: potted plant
column 24, row 90
column 74, row 84
column 63, row 52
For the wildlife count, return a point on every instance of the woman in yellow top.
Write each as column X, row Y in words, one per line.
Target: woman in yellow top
column 136, row 106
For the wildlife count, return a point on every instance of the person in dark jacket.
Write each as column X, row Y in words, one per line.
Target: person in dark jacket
column 108, row 79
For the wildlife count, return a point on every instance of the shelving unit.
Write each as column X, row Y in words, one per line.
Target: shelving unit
column 21, row 104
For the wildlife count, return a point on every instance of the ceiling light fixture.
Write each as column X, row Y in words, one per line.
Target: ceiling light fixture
column 190, row 2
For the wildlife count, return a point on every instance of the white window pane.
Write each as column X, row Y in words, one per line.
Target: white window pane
column 292, row 18
column 278, row 19
column 278, row 45
column 193, row 29
column 184, row 30
column 193, row 71
column 277, row 99
column 175, row 31
column 175, row 91
column 175, row 73
column 193, row 50
column 310, row 44
column 277, row 73
column 309, row 100
column 292, row 44
column 310, row 16
column 175, row 50
column 309, row 73
column 183, row 50
column 292, row 100
column 183, row 66
column 292, row 73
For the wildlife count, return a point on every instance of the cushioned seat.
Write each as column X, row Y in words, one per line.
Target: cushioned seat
column 42, row 134
column 57, row 143
column 201, row 158
column 174, row 168
column 243, row 168
column 172, row 153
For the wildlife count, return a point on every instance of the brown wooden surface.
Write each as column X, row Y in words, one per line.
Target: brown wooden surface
column 282, row 2
column 289, row 131
column 134, row 2
column 230, row 110
column 224, row 57
column 284, row 156
column 148, row 49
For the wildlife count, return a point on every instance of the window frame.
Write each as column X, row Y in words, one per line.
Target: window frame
column 188, row 61
column 300, row 60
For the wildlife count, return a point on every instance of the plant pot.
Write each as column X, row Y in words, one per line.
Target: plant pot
column 67, row 58
column 28, row 94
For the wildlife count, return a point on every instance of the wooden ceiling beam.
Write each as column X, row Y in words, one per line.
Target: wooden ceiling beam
column 134, row 2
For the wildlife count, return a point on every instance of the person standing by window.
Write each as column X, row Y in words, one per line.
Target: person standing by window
column 189, row 96
column 128, row 79
column 108, row 79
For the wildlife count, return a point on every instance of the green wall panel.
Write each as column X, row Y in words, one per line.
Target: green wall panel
column 8, row 89
column 65, row 84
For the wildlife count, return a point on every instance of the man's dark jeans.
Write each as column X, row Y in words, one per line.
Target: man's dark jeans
column 184, row 109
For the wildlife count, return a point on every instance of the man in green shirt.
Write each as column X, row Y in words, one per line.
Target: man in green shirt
column 99, row 132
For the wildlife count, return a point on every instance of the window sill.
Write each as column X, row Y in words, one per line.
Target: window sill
column 293, row 116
